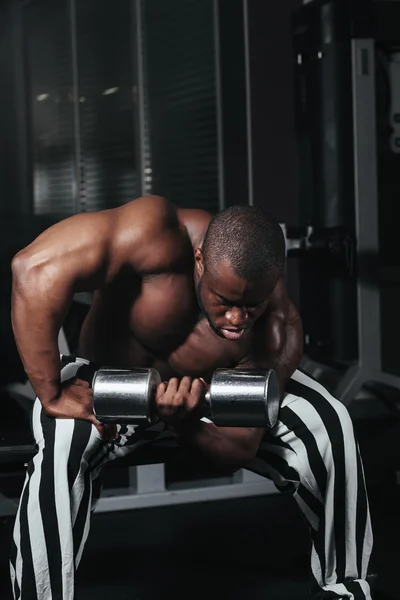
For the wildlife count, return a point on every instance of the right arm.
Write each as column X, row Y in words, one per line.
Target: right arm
column 69, row 257
column 81, row 253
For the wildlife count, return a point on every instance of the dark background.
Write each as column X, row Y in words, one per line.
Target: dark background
column 101, row 103
column 40, row 137
column 197, row 100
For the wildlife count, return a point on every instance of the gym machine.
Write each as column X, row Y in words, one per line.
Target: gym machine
column 347, row 142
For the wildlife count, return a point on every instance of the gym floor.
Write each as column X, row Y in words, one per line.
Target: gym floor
column 254, row 548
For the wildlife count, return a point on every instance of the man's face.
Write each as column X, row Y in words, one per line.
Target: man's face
column 231, row 304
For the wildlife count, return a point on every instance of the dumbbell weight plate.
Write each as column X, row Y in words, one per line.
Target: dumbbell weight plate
column 244, row 398
column 125, row 396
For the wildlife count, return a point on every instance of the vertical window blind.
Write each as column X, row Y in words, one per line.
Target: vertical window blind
column 81, row 60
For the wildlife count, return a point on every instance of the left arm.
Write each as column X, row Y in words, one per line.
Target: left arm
column 279, row 347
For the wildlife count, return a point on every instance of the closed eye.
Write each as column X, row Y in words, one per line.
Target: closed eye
column 224, row 302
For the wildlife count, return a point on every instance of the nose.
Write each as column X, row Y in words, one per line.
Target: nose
column 237, row 316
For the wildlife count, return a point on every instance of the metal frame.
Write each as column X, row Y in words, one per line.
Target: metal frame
column 27, row 153
column 147, row 489
column 141, row 102
column 218, row 99
column 25, row 196
column 369, row 367
column 75, row 95
column 248, row 102
column 366, row 196
column 230, row 36
column 151, row 491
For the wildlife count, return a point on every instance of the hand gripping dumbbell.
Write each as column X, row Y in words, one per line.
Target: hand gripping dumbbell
column 237, row 398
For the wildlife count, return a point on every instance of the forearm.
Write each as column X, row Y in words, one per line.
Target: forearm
column 285, row 366
column 287, row 361
column 285, row 348
column 223, row 448
column 280, row 347
column 36, row 331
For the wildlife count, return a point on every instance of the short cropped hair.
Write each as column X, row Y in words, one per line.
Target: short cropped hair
column 248, row 238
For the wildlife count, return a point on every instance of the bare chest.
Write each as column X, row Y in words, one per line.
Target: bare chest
column 158, row 325
column 166, row 323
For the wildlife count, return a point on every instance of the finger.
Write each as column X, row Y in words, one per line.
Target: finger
column 196, row 396
column 169, row 404
column 106, row 433
column 179, row 400
column 198, row 388
column 185, row 385
column 173, row 385
column 206, row 385
column 161, row 389
column 92, row 419
column 163, row 400
column 167, row 411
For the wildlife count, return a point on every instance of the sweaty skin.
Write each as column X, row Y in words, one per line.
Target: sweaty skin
column 153, row 306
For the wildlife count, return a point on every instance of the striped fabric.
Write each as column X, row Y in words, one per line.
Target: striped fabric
column 311, row 453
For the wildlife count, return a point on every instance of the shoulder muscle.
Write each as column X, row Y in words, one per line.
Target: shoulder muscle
column 149, row 235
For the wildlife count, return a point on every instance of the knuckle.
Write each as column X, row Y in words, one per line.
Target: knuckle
column 167, row 411
column 177, row 398
column 162, row 400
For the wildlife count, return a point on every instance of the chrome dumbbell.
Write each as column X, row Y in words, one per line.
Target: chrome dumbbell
column 237, row 398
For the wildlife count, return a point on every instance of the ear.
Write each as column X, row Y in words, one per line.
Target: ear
column 198, row 256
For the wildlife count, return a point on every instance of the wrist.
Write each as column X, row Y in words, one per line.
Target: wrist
column 47, row 391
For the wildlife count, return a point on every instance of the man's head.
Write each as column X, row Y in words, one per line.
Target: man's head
column 238, row 266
